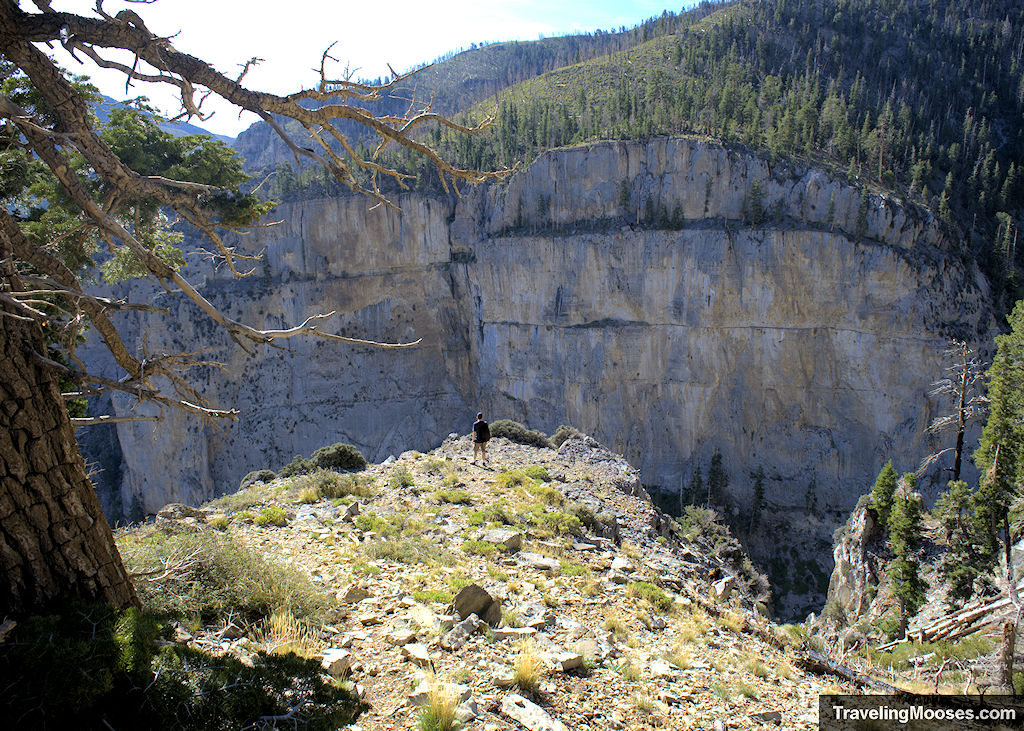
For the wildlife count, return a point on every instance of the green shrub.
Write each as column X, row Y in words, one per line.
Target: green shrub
column 553, row 522
column 389, row 525
column 479, row 548
column 456, row 497
column 331, row 485
column 650, row 593
column 408, row 550
column 400, row 478
column 434, row 466
column 338, row 456
column 585, row 514
column 537, row 472
column 428, row 596
column 298, row 466
column 452, row 481
column 564, row 432
column 546, row 493
column 513, row 478
column 256, row 476
column 516, row 432
column 221, row 523
column 216, row 576
column 271, row 515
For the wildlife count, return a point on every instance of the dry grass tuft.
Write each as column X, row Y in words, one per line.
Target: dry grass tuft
column 281, row 633
column 527, row 669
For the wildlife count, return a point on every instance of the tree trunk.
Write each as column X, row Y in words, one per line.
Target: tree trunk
column 55, row 543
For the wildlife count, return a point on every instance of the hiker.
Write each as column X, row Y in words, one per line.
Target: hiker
column 481, row 435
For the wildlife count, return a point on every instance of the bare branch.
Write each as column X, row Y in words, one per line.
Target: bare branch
column 94, row 420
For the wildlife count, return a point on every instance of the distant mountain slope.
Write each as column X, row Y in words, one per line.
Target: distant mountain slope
column 455, row 82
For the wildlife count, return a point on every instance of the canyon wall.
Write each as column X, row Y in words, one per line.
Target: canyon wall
column 673, row 298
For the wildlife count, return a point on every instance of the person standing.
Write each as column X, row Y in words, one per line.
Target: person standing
column 481, row 435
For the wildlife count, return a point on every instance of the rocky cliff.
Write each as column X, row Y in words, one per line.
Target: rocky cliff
column 768, row 312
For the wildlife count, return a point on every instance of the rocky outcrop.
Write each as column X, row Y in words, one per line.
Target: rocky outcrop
column 860, row 553
column 803, row 345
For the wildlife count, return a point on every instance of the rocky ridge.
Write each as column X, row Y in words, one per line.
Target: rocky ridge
column 636, row 625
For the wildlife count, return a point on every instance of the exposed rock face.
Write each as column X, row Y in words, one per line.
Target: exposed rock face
column 859, row 560
column 804, row 345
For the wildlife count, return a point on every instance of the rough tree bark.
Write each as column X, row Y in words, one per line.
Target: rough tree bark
column 55, row 543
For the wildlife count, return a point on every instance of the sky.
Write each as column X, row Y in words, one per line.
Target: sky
column 370, row 34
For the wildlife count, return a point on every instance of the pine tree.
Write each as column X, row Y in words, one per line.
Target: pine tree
column 904, row 540
column 718, row 480
column 757, row 505
column 695, row 488
column 965, row 561
column 883, row 492
column 1000, row 454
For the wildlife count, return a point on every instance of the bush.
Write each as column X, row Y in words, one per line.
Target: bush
column 272, row 515
column 400, row 478
column 546, row 494
column 215, row 576
column 338, row 456
column 564, row 432
column 408, row 551
column 479, row 548
column 456, row 497
column 516, row 432
column 298, row 466
column 650, row 593
column 331, row 486
column 512, row 478
column 537, row 472
column 256, row 476
column 553, row 523
column 97, row 667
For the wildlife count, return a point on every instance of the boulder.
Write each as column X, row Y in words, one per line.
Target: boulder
column 541, row 563
column 474, row 599
column 723, row 588
column 509, row 540
column 458, row 634
column 353, row 594
column 529, row 714
column 417, row 654
column 336, row 661
column 565, row 661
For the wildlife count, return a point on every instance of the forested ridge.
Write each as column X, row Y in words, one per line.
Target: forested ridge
column 922, row 98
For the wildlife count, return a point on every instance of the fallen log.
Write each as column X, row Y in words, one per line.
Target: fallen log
column 819, row 664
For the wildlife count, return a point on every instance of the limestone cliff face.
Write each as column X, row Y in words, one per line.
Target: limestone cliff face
column 803, row 345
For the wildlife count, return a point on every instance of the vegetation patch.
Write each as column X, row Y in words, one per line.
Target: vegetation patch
column 516, row 432
column 564, row 432
column 432, row 596
column 272, row 515
column 400, row 478
column 205, row 576
column 455, row 497
column 650, row 593
column 479, row 548
column 408, row 550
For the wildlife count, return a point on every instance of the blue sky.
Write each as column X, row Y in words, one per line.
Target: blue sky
column 370, row 34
